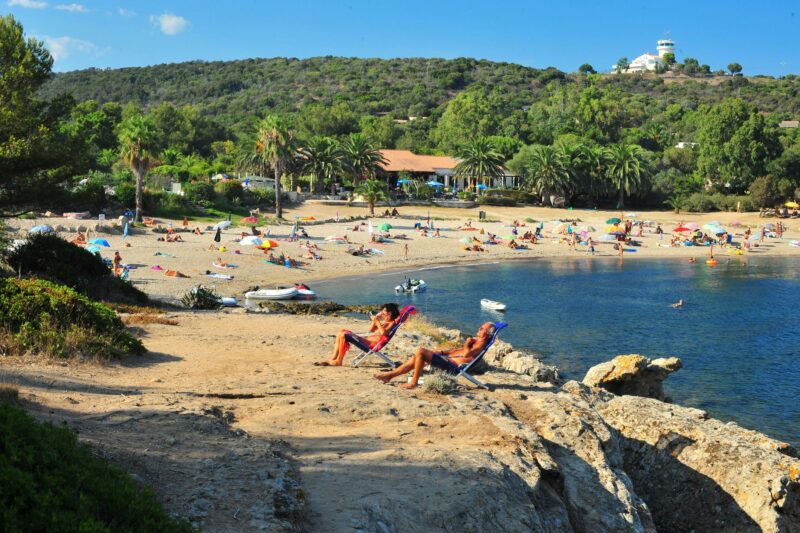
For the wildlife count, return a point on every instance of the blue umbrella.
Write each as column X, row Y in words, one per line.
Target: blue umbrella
column 100, row 242
column 482, row 186
column 435, row 184
column 403, row 181
column 125, row 232
column 93, row 249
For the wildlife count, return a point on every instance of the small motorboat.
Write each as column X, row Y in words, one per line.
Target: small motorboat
column 493, row 305
column 304, row 292
column 281, row 293
column 411, row 286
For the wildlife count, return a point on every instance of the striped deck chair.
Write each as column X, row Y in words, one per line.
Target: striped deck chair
column 406, row 312
column 458, row 371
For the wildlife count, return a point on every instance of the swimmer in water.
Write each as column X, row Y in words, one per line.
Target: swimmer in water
column 677, row 304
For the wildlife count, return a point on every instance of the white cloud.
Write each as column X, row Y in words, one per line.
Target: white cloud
column 74, row 8
column 170, row 24
column 126, row 12
column 32, row 4
column 62, row 47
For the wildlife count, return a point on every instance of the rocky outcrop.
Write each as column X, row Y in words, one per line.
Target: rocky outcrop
column 503, row 355
column 699, row 473
column 633, row 375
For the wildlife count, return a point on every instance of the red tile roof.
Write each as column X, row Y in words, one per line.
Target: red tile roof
column 404, row 160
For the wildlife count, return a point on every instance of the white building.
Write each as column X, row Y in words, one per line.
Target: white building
column 647, row 61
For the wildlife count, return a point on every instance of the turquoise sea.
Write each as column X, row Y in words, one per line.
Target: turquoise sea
column 738, row 335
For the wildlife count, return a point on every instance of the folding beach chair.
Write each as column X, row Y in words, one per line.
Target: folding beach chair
column 376, row 350
column 463, row 370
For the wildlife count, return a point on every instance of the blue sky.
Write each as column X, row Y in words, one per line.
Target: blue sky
column 107, row 33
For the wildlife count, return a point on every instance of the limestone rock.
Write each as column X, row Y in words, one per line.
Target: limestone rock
column 503, row 355
column 633, row 374
column 702, row 474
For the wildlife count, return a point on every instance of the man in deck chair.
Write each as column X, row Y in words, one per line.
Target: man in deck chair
column 379, row 328
column 450, row 361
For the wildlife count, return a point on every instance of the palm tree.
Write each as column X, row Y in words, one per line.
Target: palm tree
column 274, row 148
column 479, row 160
column 359, row 158
column 624, row 168
column 547, row 171
column 322, row 159
column 373, row 191
column 593, row 176
column 137, row 136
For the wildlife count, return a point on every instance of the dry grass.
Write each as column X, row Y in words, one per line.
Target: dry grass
column 141, row 319
column 8, row 393
column 422, row 326
column 135, row 309
column 438, row 382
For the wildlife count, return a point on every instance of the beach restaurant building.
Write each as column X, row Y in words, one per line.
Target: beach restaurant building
column 439, row 168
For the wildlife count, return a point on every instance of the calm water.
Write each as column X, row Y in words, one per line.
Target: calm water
column 738, row 335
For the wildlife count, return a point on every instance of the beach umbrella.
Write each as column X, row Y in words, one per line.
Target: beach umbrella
column 769, row 226
column 612, row 229
column 93, row 249
column 385, row 227
column 44, row 228
column 466, row 240
column 681, row 229
column 434, row 183
column 792, row 204
column 481, row 186
column 613, row 220
column 249, row 221
column 251, row 240
column 692, row 225
column 617, row 232
column 403, row 181
column 225, row 224
column 270, row 243
column 218, row 235
column 100, row 242
column 125, row 232
column 710, row 226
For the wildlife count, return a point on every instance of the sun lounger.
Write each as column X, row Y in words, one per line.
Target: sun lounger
column 406, row 312
column 463, row 370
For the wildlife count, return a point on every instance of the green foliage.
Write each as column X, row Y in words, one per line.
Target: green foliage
column 322, row 159
column 199, row 191
column 699, row 202
column 52, row 258
column 50, row 482
column 230, row 190
column 41, row 317
column 764, row 192
column 467, row 195
column 479, row 160
column 201, row 298
column 138, row 142
column 360, row 159
column 125, row 193
column 372, row 191
column 507, row 201
column 439, row 382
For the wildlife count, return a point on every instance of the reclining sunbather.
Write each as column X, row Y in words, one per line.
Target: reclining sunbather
column 380, row 324
column 447, row 360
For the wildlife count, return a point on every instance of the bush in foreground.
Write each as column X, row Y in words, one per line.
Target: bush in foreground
column 49, row 482
column 40, row 317
column 201, row 298
column 52, row 258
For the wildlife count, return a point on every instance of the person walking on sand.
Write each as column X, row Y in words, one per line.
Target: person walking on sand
column 590, row 245
column 443, row 359
column 117, row 263
column 185, row 222
column 660, row 232
column 405, row 250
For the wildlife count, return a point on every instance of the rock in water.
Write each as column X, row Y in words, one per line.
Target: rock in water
column 633, row 375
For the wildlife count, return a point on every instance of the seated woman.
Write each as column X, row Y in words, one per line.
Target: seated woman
column 379, row 326
column 174, row 238
column 80, row 238
column 447, row 360
column 197, row 231
column 220, row 262
column 513, row 244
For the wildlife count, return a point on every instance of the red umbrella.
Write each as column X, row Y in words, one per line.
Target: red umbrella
column 250, row 220
column 681, row 229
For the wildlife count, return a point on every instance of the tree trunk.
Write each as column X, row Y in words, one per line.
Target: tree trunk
column 278, row 205
column 372, row 208
column 621, row 201
column 139, row 174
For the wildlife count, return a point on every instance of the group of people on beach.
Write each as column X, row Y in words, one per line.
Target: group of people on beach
column 447, row 360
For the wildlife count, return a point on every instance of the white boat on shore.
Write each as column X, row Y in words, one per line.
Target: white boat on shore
column 493, row 305
column 411, row 286
column 286, row 293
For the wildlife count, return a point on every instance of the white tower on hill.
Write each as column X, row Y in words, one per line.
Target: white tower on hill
column 665, row 46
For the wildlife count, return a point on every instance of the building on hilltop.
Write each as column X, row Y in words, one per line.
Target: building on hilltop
column 648, row 62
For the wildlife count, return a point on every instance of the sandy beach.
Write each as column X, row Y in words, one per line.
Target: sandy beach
column 194, row 257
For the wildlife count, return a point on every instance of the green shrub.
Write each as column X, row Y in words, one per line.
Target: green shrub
column 40, row 317
column 699, row 203
column 466, row 195
column 174, row 203
column 438, row 382
column 260, row 197
column 497, row 200
column 764, row 192
column 151, row 200
column 52, row 258
column 201, row 298
column 90, row 196
column 125, row 194
column 230, row 190
column 198, row 191
column 50, row 482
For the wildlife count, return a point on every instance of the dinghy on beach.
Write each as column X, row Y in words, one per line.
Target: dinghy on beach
column 493, row 305
column 284, row 293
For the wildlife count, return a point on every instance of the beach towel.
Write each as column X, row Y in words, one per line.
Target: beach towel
column 175, row 274
column 156, row 267
column 220, row 276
